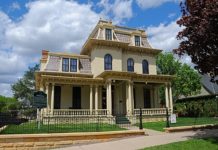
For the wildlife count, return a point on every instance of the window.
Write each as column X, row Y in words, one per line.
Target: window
column 65, row 64
column 145, row 67
column 107, row 62
column 108, row 34
column 130, row 65
column 137, row 41
column 73, row 65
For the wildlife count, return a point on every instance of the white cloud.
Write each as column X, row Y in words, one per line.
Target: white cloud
column 164, row 36
column 15, row 6
column 118, row 11
column 5, row 89
column 146, row 4
column 58, row 25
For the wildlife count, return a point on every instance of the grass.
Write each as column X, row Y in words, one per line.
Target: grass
column 193, row 144
column 31, row 127
column 181, row 121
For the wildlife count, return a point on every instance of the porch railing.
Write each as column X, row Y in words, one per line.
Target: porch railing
column 74, row 112
column 151, row 111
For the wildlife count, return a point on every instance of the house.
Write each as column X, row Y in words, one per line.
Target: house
column 114, row 74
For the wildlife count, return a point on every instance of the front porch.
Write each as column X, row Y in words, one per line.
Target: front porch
column 68, row 96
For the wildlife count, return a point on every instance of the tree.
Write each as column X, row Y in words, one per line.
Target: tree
column 187, row 80
column 23, row 89
column 200, row 35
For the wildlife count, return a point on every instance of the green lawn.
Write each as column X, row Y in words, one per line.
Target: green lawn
column 193, row 144
column 181, row 121
column 31, row 127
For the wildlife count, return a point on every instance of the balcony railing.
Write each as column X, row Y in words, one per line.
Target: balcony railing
column 151, row 111
column 74, row 112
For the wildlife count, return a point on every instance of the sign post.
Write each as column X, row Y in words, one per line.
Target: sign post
column 40, row 101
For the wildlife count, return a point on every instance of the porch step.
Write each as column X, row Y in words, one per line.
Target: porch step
column 122, row 120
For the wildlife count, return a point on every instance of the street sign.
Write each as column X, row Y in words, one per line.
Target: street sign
column 173, row 118
column 40, row 99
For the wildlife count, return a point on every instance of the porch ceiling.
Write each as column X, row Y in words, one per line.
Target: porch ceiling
column 136, row 77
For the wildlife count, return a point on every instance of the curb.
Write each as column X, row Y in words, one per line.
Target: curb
column 189, row 128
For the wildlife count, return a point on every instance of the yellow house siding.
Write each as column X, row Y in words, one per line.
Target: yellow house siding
column 85, row 91
column 97, row 59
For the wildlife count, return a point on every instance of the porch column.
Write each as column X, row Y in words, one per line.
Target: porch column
column 52, row 99
column 166, row 95
column 171, row 98
column 91, row 99
column 130, row 99
column 109, row 100
column 46, row 91
column 96, row 98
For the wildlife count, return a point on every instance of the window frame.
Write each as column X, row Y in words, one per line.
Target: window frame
column 137, row 42
column 145, row 70
column 73, row 66
column 130, row 65
column 108, row 59
column 108, row 35
column 65, row 66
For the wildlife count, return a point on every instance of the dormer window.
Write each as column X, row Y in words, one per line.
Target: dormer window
column 108, row 34
column 65, row 64
column 137, row 41
column 73, row 65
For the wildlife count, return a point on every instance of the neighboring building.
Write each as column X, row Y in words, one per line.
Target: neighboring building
column 114, row 74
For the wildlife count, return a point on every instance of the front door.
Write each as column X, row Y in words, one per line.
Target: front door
column 57, row 97
column 76, row 98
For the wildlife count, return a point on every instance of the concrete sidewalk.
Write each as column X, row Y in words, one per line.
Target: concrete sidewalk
column 154, row 138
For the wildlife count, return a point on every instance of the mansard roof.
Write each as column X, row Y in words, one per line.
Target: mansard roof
column 120, row 35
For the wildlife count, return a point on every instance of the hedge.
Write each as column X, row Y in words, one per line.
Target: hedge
column 201, row 107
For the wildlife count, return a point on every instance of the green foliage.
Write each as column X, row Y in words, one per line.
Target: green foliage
column 197, row 108
column 187, row 80
column 7, row 103
column 23, row 89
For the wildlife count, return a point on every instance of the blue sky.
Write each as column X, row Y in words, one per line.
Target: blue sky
column 28, row 26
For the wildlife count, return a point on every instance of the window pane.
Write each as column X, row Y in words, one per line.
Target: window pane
column 137, row 41
column 108, row 34
column 145, row 66
column 107, row 62
column 65, row 64
column 73, row 65
column 130, row 65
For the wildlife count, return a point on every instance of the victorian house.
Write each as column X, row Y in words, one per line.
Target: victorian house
column 114, row 74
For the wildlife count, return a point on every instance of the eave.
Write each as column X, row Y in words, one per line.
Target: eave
column 125, row 46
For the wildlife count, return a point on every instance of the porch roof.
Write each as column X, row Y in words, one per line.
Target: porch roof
column 43, row 77
column 136, row 77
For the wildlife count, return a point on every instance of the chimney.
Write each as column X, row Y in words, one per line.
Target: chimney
column 45, row 54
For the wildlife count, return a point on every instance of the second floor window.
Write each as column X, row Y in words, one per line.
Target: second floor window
column 108, row 34
column 130, row 65
column 107, row 62
column 145, row 67
column 73, row 65
column 137, row 41
column 65, row 64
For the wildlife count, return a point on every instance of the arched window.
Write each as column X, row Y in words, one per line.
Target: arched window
column 107, row 62
column 130, row 65
column 145, row 67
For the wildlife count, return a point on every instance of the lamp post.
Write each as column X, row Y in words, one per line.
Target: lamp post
column 216, row 105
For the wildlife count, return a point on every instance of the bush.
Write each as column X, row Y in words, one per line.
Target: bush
column 197, row 108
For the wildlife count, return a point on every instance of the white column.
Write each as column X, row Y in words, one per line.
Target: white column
column 166, row 96
column 127, row 98
column 171, row 98
column 52, row 98
column 96, row 98
column 130, row 99
column 46, row 91
column 91, row 99
column 109, row 100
